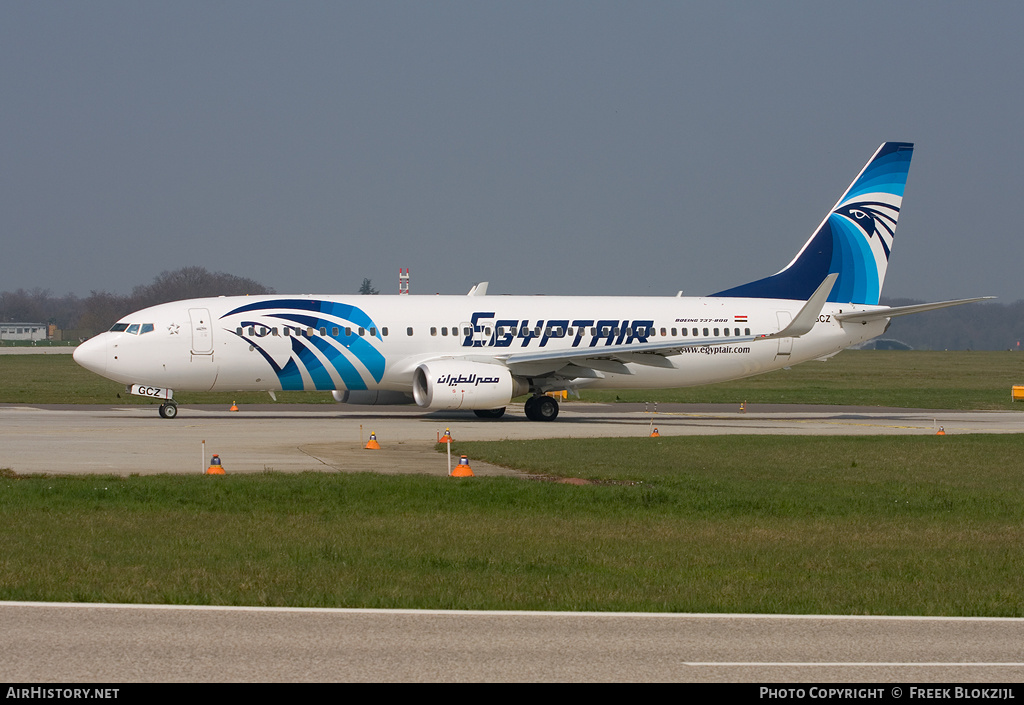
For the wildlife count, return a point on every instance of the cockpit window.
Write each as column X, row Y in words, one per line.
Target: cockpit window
column 132, row 328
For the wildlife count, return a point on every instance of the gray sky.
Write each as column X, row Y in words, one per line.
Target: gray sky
column 548, row 147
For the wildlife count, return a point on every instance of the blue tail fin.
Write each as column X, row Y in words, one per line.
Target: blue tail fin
column 853, row 241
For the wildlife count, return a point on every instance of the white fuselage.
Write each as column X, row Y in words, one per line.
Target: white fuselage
column 376, row 342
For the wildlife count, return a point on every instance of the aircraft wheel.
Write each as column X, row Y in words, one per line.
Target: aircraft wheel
column 168, row 411
column 547, row 409
column 541, row 408
column 490, row 413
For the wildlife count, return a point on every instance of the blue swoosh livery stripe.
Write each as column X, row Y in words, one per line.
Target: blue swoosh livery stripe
column 316, row 313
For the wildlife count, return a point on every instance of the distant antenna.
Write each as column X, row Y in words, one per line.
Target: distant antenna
column 403, row 281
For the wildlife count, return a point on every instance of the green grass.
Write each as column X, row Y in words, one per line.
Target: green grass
column 833, row 525
column 912, row 379
column 861, row 525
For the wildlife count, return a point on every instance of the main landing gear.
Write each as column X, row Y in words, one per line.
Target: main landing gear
column 541, row 408
column 168, row 410
column 490, row 413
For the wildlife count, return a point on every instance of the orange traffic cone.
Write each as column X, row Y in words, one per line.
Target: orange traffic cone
column 447, row 437
column 373, row 444
column 942, row 431
column 234, row 407
column 655, row 434
column 215, row 467
column 463, row 469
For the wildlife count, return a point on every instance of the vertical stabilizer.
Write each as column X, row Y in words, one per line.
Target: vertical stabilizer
column 853, row 241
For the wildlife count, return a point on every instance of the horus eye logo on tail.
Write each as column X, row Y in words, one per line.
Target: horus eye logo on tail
column 854, row 241
column 875, row 220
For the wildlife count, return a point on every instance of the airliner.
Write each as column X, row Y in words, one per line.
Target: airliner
column 478, row 352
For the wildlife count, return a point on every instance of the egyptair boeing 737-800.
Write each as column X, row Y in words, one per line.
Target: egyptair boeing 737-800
column 479, row 352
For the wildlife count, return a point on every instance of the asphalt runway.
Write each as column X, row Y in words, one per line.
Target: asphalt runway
column 75, row 643
column 293, row 438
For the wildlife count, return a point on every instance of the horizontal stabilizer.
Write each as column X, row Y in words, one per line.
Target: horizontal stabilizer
column 865, row 316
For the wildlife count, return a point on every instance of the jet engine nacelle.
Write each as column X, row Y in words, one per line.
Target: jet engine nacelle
column 463, row 384
column 371, row 397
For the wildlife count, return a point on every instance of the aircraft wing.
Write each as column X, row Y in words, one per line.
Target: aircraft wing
column 591, row 362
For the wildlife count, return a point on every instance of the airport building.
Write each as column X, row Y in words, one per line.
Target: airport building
column 23, row 331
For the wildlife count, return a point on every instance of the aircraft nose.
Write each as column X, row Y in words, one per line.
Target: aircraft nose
column 92, row 354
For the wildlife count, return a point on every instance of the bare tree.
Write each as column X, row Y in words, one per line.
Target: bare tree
column 192, row 283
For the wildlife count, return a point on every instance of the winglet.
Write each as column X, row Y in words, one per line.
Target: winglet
column 804, row 321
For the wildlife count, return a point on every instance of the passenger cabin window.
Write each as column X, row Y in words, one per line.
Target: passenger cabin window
column 408, row 331
column 433, row 330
